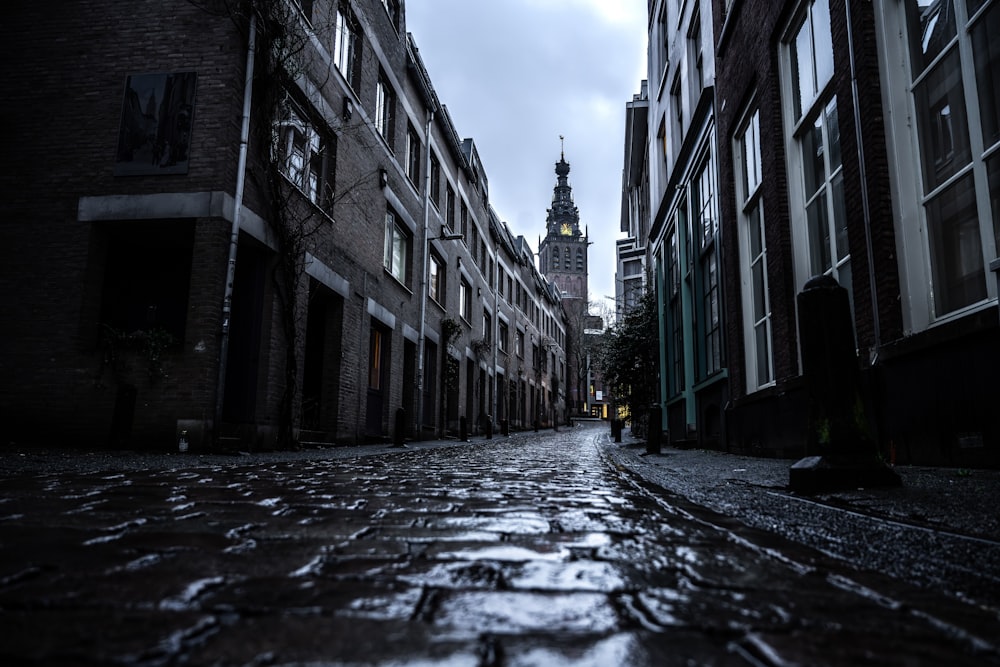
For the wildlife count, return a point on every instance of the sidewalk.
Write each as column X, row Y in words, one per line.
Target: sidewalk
column 962, row 501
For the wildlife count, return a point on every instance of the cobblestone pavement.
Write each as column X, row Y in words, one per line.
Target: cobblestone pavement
column 538, row 550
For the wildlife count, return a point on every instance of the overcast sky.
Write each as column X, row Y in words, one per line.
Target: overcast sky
column 517, row 74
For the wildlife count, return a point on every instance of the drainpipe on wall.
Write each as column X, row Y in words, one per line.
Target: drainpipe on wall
column 863, row 177
column 422, row 343
column 227, row 301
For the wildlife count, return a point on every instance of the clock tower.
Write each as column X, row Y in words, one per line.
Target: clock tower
column 562, row 254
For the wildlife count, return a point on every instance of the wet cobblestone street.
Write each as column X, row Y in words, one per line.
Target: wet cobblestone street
column 529, row 551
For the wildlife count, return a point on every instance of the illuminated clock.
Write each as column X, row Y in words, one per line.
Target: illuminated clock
column 566, row 229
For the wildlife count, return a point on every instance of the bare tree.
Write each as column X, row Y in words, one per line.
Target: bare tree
column 297, row 213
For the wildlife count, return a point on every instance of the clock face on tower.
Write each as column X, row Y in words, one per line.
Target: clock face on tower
column 566, row 230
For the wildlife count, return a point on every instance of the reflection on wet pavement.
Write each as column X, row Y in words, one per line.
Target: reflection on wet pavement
column 534, row 552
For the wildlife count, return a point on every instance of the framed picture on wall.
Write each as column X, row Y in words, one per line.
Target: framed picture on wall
column 154, row 136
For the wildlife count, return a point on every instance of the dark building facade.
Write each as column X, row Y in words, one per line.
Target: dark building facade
column 858, row 140
column 255, row 224
column 838, row 138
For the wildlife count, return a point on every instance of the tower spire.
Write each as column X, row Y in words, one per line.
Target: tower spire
column 562, row 147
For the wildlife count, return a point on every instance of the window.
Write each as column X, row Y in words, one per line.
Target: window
column 450, row 206
column 464, row 231
column 392, row 8
column 397, row 248
column 663, row 43
column 675, row 320
column 385, row 104
column 816, row 196
column 952, row 73
column 555, row 258
column 503, row 337
column 464, row 300
column 579, row 259
column 695, row 61
column 709, row 307
column 677, row 98
column 412, row 155
column 519, row 344
column 347, row 46
column 487, row 328
column 435, row 193
column 753, row 257
column 306, row 152
column 435, row 282
column 811, row 56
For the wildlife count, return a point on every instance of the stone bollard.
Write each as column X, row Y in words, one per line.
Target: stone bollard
column 463, row 429
column 489, row 427
column 616, row 429
column 653, row 431
column 505, row 427
column 843, row 452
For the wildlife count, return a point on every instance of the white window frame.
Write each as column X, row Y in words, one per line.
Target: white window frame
column 797, row 122
column 909, row 199
column 749, row 197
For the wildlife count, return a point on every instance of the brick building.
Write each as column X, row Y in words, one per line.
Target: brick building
column 348, row 270
column 859, row 141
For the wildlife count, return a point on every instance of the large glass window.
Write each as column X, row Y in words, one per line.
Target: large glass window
column 817, row 195
column 347, row 46
column 812, row 56
column 753, row 257
column 954, row 58
column 709, row 320
column 675, row 320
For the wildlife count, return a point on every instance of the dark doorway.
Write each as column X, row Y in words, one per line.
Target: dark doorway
column 322, row 367
column 239, row 403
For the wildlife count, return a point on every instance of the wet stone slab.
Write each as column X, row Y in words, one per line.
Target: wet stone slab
column 534, row 552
